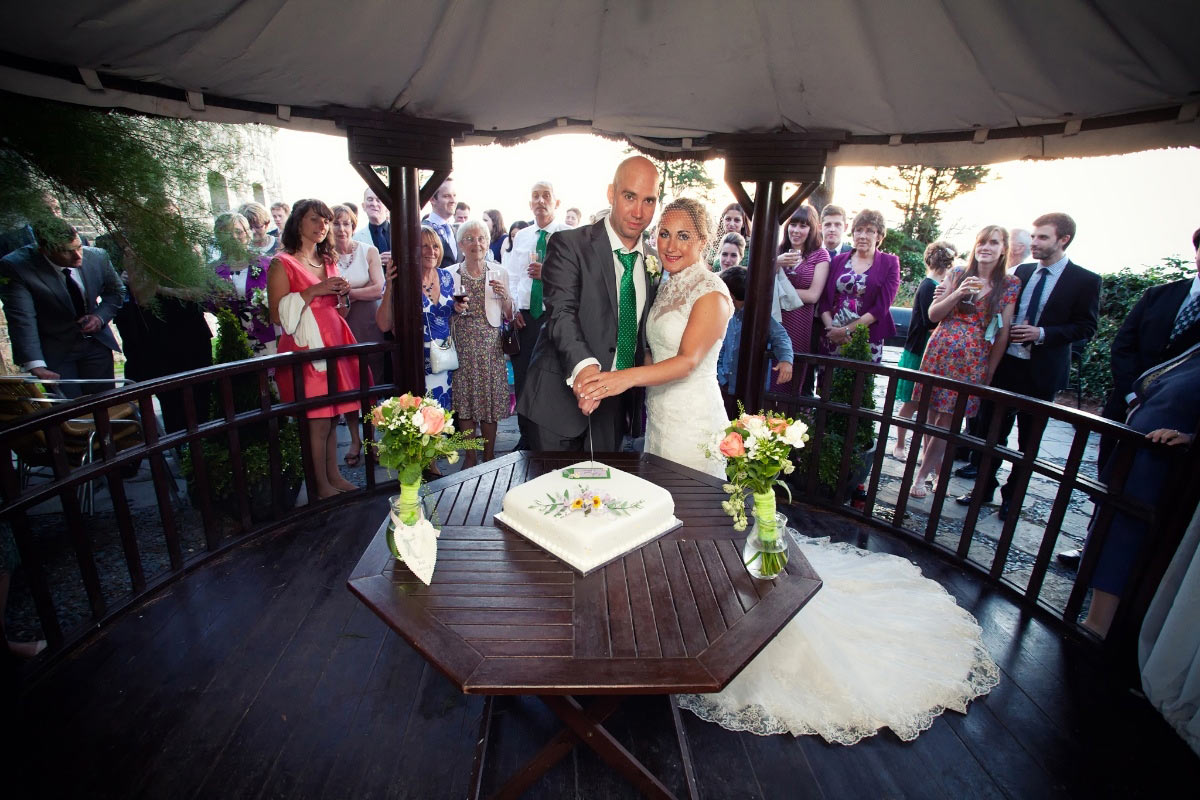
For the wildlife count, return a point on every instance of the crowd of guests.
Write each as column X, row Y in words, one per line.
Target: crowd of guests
column 1004, row 314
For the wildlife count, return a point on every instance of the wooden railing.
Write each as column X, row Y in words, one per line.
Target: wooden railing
column 109, row 465
column 103, row 603
column 1163, row 528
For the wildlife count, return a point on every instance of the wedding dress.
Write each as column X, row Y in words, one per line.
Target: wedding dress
column 878, row 646
column 683, row 415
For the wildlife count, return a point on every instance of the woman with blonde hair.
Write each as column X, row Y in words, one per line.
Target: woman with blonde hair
column 259, row 220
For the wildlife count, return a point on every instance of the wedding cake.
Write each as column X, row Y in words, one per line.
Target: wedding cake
column 588, row 514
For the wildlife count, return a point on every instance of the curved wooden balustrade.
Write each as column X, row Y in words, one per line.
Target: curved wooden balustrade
column 1167, row 521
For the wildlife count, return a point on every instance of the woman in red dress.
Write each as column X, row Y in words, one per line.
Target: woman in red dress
column 307, row 267
column 973, row 317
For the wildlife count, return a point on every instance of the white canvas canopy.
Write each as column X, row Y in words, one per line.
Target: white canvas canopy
column 918, row 81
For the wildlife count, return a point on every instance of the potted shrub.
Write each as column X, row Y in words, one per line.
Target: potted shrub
column 232, row 345
column 828, row 452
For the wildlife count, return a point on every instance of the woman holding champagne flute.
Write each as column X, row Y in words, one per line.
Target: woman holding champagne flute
column 973, row 316
column 805, row 263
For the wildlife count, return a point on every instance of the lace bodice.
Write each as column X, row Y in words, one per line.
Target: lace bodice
column 673, row 307
column 685, row 414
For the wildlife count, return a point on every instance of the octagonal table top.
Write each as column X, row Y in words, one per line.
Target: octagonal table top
column 502, row 616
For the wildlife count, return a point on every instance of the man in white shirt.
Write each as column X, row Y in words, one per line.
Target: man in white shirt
column 524, row 266
column 596, row 285
column 441, row 219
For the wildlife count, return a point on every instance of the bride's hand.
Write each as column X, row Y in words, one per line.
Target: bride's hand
column 606, row 384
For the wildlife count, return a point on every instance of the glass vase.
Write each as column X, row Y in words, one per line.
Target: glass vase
column 765, row 553
column 406, row 509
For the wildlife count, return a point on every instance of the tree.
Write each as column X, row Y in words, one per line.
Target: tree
column 678, row 175
column 924, row 191
column 137, row 177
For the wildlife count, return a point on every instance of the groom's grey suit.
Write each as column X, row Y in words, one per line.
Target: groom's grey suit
column 580, row 296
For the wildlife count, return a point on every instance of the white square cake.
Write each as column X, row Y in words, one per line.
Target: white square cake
column 589, row 514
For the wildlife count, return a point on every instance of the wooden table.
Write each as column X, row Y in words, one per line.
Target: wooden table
column 503, row 617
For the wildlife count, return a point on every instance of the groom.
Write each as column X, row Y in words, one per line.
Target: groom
column 596, row 295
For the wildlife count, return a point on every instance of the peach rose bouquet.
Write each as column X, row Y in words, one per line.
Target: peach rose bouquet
column 413, row 433
column 756, row 449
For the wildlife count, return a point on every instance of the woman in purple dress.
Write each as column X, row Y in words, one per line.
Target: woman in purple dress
column 861, row 287
column 805, row 263
column 245, row 272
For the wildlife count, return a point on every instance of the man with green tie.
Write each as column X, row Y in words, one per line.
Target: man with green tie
column 595, row 293
column 524, row 266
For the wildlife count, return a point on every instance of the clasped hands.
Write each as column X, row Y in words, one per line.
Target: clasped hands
column 591, row 386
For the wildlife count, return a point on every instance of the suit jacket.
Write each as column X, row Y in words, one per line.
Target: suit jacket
column 1142, row 341
column 41, row 316
column 1069, row 314
column 580, row 297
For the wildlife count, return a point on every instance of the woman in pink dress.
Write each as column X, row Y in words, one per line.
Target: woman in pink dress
column 973, row 316
column 805, row 263
column 307, row 267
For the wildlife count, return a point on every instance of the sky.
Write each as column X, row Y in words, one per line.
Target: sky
column 1131, row 210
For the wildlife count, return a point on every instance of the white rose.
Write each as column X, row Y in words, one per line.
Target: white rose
column 418, row 421
column 794, row 435
column 757, row 428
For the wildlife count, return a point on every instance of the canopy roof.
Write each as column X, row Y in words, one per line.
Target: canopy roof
column 919, row 81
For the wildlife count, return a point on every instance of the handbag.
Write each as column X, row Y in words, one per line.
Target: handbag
column 509, row 343
column 443, row 355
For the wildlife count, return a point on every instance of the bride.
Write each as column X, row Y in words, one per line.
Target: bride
column 879, row 645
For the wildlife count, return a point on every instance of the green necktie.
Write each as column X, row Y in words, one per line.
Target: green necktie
column 535, row 291
column 627, row 325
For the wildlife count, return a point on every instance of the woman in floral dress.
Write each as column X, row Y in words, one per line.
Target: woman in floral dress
column 437, row 306
column 805, row 263
column 246, row 274
column 861, row 287
column 973, row 316
column 481, row 382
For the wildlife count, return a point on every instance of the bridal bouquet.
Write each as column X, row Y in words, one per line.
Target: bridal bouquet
column 757, row 448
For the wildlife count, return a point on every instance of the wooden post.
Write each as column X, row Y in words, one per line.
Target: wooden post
column 752, row 366
column 408, row 359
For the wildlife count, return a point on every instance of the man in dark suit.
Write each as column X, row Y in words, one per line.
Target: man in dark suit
column 1161, row 325
column 1059, row 304
column 441, row 219
column 587, row 274
column 59, row 297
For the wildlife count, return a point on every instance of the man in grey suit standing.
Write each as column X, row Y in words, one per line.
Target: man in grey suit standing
column 596, row 295
column 59, row 297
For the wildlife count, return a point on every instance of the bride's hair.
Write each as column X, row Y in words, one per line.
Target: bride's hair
column 698, row 214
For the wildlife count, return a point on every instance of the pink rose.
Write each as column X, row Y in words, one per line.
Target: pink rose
column 409, row 401
column 776, row 424
column 732, row 446
column 434, row 420
column 377, row 416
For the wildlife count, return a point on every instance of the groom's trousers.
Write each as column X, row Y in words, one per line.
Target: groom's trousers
column 608, row 425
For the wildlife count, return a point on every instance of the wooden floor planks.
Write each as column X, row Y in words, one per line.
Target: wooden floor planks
column 261, row 676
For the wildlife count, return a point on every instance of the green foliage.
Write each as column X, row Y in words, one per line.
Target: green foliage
column 1119, row 292
column 911, row 253
column 141, row 178
column 232, row 345
column 837, row 425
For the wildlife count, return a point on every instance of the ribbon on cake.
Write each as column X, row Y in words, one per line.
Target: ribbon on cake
column 416, row 545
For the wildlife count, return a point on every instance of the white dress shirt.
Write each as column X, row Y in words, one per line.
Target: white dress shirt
column 1053, row 273
column 517, row 261
column 639, row 288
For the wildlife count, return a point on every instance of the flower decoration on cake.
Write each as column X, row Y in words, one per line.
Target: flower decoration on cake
column 586, row 501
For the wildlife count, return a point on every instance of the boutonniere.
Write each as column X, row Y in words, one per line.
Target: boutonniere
column 653, row 267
